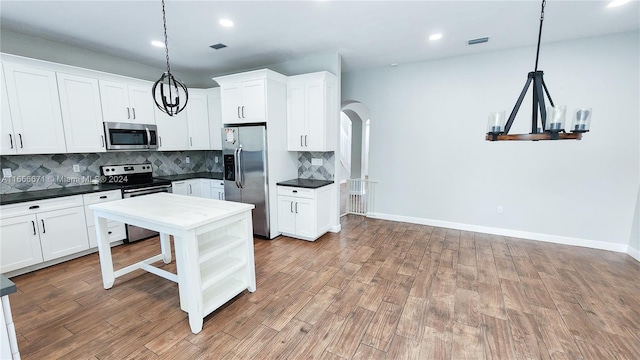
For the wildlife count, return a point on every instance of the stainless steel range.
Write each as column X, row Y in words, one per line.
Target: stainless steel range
column 135, row 180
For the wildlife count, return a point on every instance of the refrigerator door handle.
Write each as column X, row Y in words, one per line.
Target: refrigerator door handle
column 235, row 167
column 240, row 167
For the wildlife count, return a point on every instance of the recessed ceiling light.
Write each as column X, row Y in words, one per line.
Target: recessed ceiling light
column 157, row 43
column 393, row 64
column 226, row 22
column 616, row 3
column 435, row 37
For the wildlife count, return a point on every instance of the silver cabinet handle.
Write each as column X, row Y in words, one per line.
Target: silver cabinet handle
column 238, row 112
column 296, row 207
column 291, row 202
column 21, row 145
column 134, row 113
column 191, row 140
column 190, row 190
column 33, row 223
column 301, row 141
column 243, row 112
column 11, row 140
column 128, row 114
column 102, row 138
column 43, row 229
column 305, row 140
column 160, row 140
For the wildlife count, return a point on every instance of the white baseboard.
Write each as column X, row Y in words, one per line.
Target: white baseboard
column 335, row 228
column 634, row 253
column 564, row 240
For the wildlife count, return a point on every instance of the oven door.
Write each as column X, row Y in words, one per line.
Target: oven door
column 135, row 233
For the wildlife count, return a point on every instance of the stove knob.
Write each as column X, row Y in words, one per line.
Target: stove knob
column 112, row 169
column 106, row 170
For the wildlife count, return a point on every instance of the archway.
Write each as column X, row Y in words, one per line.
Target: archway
column 354, row 145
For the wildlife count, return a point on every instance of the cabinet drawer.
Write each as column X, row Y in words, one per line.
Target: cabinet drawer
column 34, row 207
column 297, row 192
column 102, row 196
column 118, row 231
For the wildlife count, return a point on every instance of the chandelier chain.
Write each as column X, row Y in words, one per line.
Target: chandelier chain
column 166, row 41
column 544, row 2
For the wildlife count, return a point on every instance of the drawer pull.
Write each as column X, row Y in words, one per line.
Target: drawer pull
column 34, row 207
column 110, row 232
column 43, row 229
column 295, row 191
column 103, row 197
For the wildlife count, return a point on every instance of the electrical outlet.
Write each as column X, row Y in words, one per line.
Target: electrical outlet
column 6, row 172
column 216, row 159
column 187, row 160
column 76, row 168
column 316, row 161
column 500, row 209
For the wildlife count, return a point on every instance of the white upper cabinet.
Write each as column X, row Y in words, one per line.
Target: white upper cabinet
column 215, row 118
column 81, row 113
column 35, row 110
column 312, row 117
column 173, row 131
column 123, row 102
column 7, row 137
column 244, row 97
column 198, row 120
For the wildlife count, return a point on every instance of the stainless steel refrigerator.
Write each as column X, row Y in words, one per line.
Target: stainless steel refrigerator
column 244, row 153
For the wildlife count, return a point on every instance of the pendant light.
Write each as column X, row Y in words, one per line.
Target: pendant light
column 168, row 91
column 550, row 125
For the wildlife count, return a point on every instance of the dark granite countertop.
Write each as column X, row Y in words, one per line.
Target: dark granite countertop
column 15, row 198
column 198, row 175
column 305, row 183
column 6, row 286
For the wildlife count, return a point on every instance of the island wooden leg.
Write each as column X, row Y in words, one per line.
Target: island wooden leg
column 183, row 280
column 104, row 250
column 165, row 246
column 191, row 276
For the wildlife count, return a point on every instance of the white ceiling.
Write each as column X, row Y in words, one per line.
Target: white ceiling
column 365, row 33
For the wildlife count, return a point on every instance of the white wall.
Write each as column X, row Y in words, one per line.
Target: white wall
column 433, row 165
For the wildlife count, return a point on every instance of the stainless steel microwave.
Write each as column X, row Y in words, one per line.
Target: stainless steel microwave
column 128, row 136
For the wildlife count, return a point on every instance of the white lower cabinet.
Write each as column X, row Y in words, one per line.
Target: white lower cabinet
column 37, row 231
column 117, row 230
column 191, row 187
column 304, row 213
column 217, row 189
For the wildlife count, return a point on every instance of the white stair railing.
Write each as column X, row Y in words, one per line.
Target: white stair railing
column 360, row 196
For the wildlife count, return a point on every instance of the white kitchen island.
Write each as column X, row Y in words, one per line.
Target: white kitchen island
column 213, row 244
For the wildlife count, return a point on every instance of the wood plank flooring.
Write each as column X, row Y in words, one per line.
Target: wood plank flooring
column 376, row 290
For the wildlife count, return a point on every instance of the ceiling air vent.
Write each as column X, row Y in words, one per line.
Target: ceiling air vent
column 478, row 41
column 218, row 46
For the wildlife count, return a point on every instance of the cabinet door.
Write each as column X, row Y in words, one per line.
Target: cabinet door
column 81, row 113
column 142, row 104
column 20, row 245
column 315, row 116
column 35, row 109
column 215, row 119
column 194, row 187
column 253, row 101
column 7, row 137
column 231, row 102
column 305, row 217
column 115, row 101
column 62, row 232
column 296, row 118
column 173, row 132
column 180, row 187
column 198, row 121
column 286, row 214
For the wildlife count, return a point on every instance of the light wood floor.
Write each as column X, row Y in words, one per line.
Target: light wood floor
column 376, row 290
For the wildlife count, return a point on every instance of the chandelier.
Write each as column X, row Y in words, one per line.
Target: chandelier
column 168, row 90
column 551, row 123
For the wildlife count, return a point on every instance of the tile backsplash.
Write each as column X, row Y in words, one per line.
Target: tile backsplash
column 306, row 170
column 40, row 172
